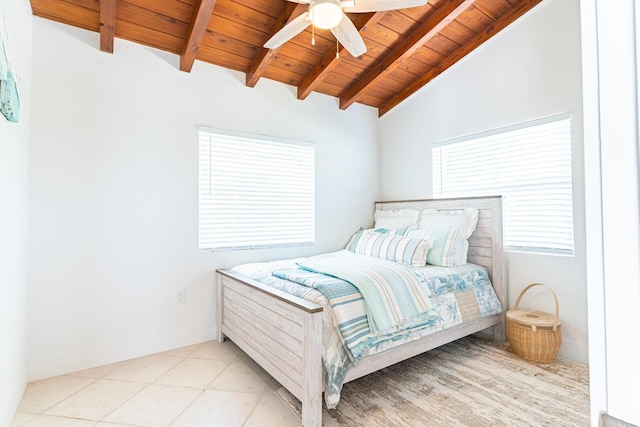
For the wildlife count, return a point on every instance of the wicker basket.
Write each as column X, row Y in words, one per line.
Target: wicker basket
column 533, row 335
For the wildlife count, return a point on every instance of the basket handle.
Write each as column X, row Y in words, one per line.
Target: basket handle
column 557, row 318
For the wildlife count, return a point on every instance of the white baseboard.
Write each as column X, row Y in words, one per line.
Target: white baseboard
column 572, row 350
column 609, row 421
column 102, row 355
column 15, row 389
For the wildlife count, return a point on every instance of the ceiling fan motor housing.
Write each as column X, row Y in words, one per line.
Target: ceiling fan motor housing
column 325, row 14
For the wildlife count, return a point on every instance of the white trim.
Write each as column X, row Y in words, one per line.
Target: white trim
column 254, row 191
column 510, row 128
column 530, row 163
column 255, row 136
column 593, row 212
column 610, row 98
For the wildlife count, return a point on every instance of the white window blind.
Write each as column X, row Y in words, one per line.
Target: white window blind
column 254, row 191
column 530, row 165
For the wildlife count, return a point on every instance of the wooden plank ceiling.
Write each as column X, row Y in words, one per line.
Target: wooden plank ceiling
column 406, row 48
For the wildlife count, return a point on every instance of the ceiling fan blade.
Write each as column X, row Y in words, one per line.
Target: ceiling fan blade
column 361, row 6
column 348, row 35
column 289, row 31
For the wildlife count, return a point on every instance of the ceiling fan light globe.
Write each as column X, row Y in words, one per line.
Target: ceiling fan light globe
column 325, row 14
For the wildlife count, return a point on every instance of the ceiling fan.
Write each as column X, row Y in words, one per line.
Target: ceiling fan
column 330, row 14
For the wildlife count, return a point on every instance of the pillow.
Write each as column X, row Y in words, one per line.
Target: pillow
column 404, row 231
column 445, row 242
column 465, row 220
column 391, row 247
column 398, row 218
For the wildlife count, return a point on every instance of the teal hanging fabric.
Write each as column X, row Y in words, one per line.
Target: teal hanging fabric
column 10, row 98
column 4, row 63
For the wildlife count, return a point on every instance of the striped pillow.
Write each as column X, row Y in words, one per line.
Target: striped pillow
column 401, row 249
column 444, row 244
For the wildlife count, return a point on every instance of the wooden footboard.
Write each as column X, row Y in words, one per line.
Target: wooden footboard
column 281, row 332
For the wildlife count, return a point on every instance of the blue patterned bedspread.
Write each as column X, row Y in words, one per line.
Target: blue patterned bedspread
column 372, row 299
column 455, row 295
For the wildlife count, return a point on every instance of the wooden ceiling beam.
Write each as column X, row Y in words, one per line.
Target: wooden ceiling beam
column 241, row 27
column 107, row 25
column 330, row 60
column 446, row 13
column 265, row 56
column 484, row 35
column 197, row 28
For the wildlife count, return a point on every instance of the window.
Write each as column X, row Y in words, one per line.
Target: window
column 530, row 165
column 254, row 191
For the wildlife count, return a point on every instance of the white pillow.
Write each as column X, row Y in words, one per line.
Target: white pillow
column 465, row 220
column 398, row 218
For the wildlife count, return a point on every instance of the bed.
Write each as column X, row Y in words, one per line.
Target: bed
column 292, row 330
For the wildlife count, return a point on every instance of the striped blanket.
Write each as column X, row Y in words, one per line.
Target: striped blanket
column 372, row 299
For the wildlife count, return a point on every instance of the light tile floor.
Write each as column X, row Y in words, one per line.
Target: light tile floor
column 208, row 384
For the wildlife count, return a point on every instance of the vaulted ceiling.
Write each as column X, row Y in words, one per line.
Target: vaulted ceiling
column 406, row 48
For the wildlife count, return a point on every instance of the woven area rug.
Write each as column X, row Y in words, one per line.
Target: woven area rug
column 471, row 382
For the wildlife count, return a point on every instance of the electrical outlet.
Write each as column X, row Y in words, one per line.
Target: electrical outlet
column 182, row 296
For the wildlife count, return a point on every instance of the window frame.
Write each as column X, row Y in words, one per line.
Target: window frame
column 243, row 174
column 563, row 246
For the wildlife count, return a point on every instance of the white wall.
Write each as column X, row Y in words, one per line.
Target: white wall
column 113, row 194
column 531, row 69
column 14, row 149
